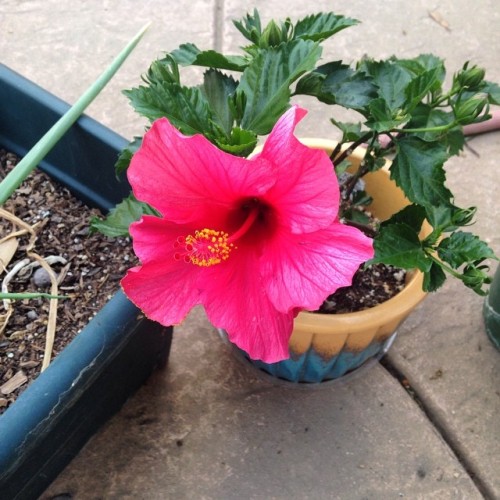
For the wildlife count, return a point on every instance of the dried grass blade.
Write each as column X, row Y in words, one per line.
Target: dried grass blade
column 52, row 321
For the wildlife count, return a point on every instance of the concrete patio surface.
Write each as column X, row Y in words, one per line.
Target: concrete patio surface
column 424, row 424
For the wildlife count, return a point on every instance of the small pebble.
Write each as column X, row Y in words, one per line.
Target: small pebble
column 41, row 278
column 32, row 315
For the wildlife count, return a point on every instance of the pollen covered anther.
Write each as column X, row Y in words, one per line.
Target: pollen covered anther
column 207, row 247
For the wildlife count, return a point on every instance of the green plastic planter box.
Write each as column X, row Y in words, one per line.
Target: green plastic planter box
column 491, row 311
column 117, row 351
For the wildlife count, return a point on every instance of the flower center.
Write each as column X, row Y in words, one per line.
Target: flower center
column 208, row 247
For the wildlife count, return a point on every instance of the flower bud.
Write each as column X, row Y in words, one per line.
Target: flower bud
column 271, row 36
column 463, row 216
column 470, row 78
column 474, row 276
column 467, row 111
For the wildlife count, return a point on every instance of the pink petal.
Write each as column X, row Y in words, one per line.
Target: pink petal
column 302, row 270
column 164, row 293
column 154, row 238
column 306, row 194
column 188, row 179
column 235, row 300
column 163, row 288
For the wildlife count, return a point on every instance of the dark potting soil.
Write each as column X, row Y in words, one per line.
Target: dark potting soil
column 89, row 275
column 370, row 286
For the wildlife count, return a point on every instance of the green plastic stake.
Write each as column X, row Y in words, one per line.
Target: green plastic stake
column 29, row 295
column 14, row 179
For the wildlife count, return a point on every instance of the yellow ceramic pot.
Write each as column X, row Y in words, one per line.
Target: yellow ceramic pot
column 328, row 346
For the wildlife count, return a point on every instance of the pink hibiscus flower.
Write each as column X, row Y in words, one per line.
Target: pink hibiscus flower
column 252, row 240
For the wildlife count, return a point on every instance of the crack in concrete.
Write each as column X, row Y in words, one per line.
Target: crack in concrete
column 455, row 447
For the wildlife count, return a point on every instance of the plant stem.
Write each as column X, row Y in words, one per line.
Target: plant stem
column 13, row 180
column 444, row 266
column 368, row 230
column 362, row 170
column 336, row 151
column 351, row 183
column 440, row 128
column 338, row 160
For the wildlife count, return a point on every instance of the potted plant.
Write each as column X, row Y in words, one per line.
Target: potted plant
column 258, row 240
column 110, row 358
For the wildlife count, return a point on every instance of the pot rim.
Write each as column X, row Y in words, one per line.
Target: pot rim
column 402, row 303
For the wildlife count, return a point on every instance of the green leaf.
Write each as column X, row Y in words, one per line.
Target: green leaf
column 493, row 91
column 430, row 61
column 351, row 132
column 218, row 89
column 462, row 248
column 347, row 88
column 250, row 27
column 266, row 82
column 440, row 217
column 434, row 278
column 341, row 167
column 418, row 170
column 186, row 108
column 420, row 86
column 412, row 66
column 318, row 27
column 118, row 221
column 240, row 143
column 310, row 84
column 422, row 63
column 163, row 70
column 381, row 117
column 398, row 245
column 391, row 81
column 189, row 55
column 455, row 140
column 125, row 156
column 411, row 215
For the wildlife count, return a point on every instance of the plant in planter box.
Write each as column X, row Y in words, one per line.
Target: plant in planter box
column 257, row 239
column 114, row 354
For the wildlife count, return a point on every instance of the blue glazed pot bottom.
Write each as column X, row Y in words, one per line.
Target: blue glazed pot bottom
column 310, row 368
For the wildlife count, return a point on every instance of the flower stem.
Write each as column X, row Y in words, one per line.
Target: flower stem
column 13, row 180
column 440, row 128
